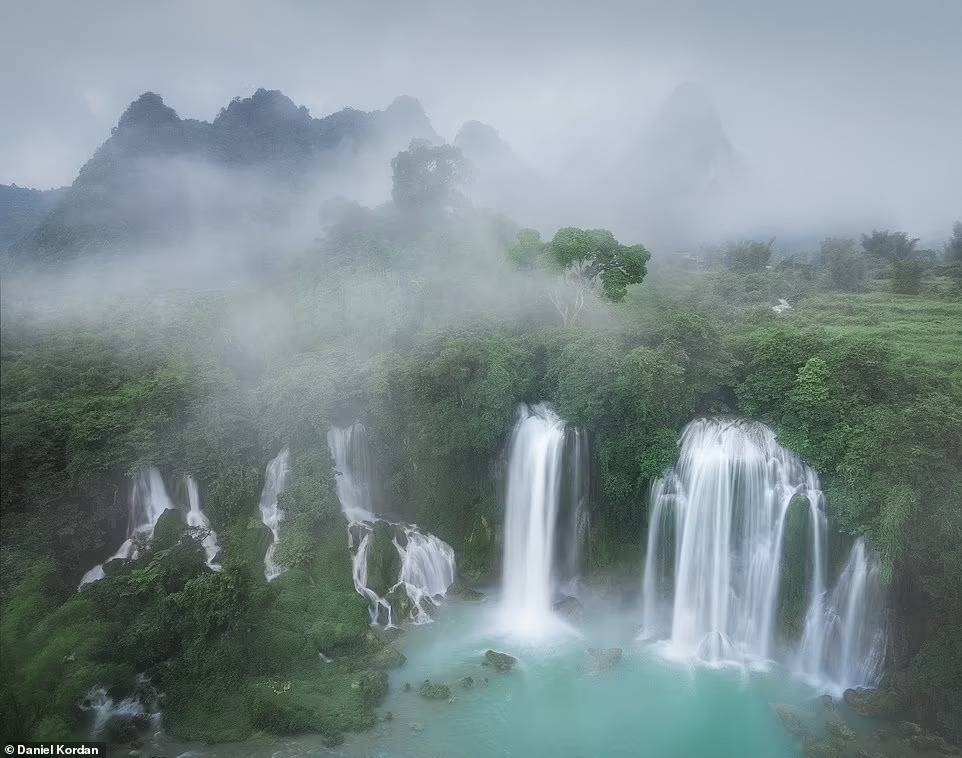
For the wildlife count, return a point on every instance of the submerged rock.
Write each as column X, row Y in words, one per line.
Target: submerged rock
column 605, row 659
column 791, row 720
column 435, row 691
column 472, row 595
column 388, row 657
column 569, row 608
column 406, row 687
column 500, row 661
column 466, row 682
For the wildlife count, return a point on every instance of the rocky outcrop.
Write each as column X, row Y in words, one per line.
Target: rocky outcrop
column 879, row 704
column 791, row 720
column 500, row 661
column 388, row 657
column 435, row 690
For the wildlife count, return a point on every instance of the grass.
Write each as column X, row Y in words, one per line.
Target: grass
column 927, row 330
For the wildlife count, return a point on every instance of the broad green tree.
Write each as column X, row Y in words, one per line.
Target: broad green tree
column 427, row 176
column 889, row 246
column 586, row 261
column 845, row 266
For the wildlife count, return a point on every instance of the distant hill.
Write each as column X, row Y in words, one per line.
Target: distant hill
column 504, row 182
column 674, row 179
column 21, row 209
column 160, row 178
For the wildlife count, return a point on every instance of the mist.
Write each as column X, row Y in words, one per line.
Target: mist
column 837, row 116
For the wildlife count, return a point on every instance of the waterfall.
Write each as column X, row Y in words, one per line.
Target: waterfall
column 715, row 540
column 427, row 563
column 352, row 460
column 148, row 501
column 276, row 479
column 716, row 549
column 844, row 643
column 541, row 536
column 197, row 518
column 427, row 568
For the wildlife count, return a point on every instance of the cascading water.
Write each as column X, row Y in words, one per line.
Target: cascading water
column 427, row 563
column 716, row 548
column 276, row 479
column 542, row 535
column 427, row 568
column 148, row 501
column 723, row 508
column 353, row 463
column 844, row 642
column 198, row 519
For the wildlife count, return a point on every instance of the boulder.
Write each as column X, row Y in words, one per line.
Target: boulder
column 472, row 595
column 169, row 528
column 791, row 720
column 400, row 604
column 879, row 704
column 839, row 730
column 466, row 682
column 500, row 661
column 569, row 608
column 388, row 657
column 435, row 691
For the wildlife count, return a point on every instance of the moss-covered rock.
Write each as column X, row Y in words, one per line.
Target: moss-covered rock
column 169, row 528
column 372, row 686
column 880, row 704
column 388, row 657
column 500, row 661
column 383, row 561
column 435, row 690
column 400, row 604
column 791, row 720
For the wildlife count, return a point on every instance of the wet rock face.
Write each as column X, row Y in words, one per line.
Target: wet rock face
column 435, row 690
column 461, row 590
column 500, row 661
column 569, row 608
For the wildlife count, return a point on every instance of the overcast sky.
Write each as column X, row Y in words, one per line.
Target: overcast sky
column 837, row 98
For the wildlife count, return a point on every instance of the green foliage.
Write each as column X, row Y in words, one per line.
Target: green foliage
column 595, row 253
column 232, row 496
column 310, row 507
column 953, row 248
column 906, row 277
column 750, row 256
column 845, row 267
column 427, row 176
column 889, row 246
column 528, row 251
